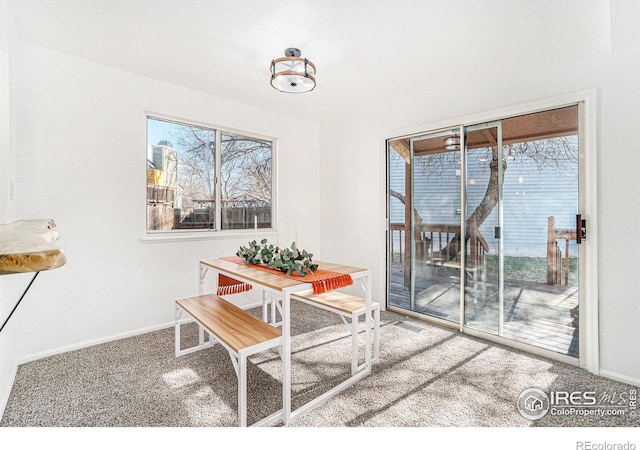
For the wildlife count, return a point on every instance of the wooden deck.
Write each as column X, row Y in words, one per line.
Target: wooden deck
column 534, row 313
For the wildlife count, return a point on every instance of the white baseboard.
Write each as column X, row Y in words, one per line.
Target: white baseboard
column 619, row 377
column 7, row 390
column 252, row 305
column 92, row 342
column 102, row 340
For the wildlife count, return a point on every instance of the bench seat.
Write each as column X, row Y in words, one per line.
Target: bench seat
column 337, row 301
column 347, row 307
column 241, row 333
column 230, row 324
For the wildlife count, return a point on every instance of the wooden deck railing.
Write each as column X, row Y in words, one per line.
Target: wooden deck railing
column 432, row 243
column 554, row 253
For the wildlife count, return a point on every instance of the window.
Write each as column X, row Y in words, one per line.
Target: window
column 202, row 178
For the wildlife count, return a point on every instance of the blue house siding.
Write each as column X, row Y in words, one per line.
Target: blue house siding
column 531, row 193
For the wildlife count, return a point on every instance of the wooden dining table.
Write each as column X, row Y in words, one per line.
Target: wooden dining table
column 282, row 287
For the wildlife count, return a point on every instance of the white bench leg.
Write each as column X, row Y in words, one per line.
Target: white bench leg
column 373, row 322
column 354, row 343
column 178, row 343
column 273, row 310
column 242, row 389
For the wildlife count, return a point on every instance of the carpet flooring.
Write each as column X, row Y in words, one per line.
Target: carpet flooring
column 427, row 377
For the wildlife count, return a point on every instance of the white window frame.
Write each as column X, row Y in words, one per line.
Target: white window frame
column 157, row 236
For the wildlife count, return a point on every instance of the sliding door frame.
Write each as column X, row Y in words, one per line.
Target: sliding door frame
column 589, row 357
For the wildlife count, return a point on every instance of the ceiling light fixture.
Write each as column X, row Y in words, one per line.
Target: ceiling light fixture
column 452, row 143
column 292, row 73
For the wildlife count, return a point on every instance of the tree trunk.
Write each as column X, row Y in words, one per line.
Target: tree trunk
column 399, row 196
column 484, row 209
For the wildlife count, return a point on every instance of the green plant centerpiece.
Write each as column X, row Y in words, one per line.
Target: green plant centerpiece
column 287, row 260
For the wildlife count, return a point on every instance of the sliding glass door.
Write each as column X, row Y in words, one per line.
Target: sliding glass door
column 540, row 207
column 482, row 228
column 483, row 298
column 435, row 224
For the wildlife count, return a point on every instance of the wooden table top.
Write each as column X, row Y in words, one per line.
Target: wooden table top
column 273, row 280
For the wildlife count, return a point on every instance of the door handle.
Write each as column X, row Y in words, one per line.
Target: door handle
column 581, row 229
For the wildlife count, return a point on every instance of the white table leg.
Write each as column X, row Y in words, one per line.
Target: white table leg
column 203, row 274
column 354, row 343
column 286, row 361
column 376, row 335
column 367, row 352
column 264, row 307
column 176, row 325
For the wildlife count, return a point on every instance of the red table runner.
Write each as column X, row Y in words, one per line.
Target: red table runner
column 321, row 280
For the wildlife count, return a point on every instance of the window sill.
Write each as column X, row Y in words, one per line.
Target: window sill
column 206, row 235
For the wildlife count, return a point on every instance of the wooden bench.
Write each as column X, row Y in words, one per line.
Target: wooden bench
column 347, row 307
column 241, row 333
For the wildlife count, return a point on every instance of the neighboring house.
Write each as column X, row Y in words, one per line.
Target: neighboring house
column 532, row 192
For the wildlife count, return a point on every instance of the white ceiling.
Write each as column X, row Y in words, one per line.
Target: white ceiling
column 368, row 53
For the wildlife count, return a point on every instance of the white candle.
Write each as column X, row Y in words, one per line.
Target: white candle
column 255, row 226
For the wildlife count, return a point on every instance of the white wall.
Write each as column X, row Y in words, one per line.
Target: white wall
column 7, row 37
column 9, row 284
column 82, row 162
column 353, row 175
